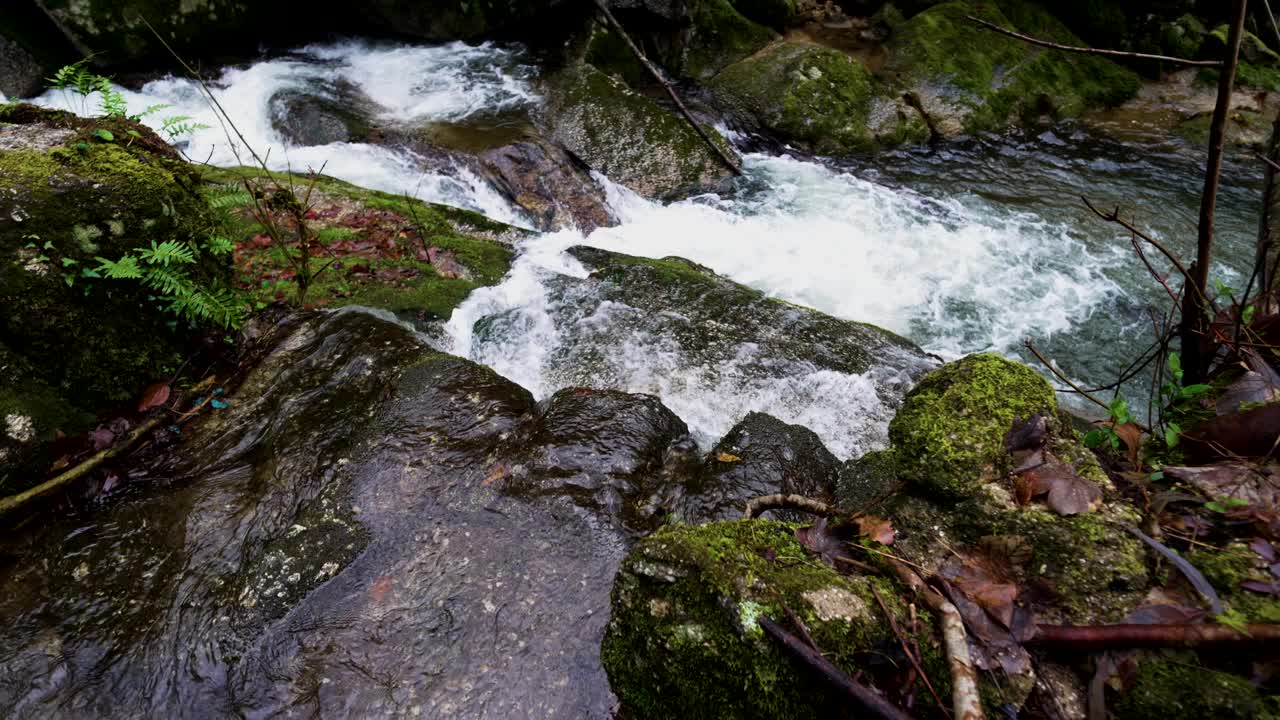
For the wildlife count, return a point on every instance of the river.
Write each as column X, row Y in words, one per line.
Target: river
column 971, row 246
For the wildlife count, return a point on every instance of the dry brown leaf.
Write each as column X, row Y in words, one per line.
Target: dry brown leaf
column 821, row 539
column 877, row 529
column 1069, row 494
column 1131, row 435
column 725, row 457
column 983, row 586
column 154, row 396
column 499, row 472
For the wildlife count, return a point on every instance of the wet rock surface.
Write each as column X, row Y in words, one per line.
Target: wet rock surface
column 370, row 528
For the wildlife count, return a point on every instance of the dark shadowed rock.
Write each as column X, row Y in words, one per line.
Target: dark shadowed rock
column 323, row 114
column 20, row 74
column 554, row 188
column 370, row 528
column 761, row 455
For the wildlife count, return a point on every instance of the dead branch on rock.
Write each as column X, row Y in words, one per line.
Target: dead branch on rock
column 1061, row 376
column 966, row 703
column 14, row 502
column 675, row 98
column 906, row 648
column 1086, row 638
column 1088, row 50
column 789, row 502
column 862, row 696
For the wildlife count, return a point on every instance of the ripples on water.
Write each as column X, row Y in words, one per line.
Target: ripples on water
column 969, row 247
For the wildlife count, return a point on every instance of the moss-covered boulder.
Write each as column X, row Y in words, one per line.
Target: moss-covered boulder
column 1173, row 684
column 685, row 638
column 949, row 434
column 969, row 79
column 67, row 198
column 416, row 259
column 817, row 97
column 627, row 136
column 717, row 35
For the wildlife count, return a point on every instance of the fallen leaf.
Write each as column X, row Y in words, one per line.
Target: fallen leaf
column 995, row 647
column 1027, row 434
column 1024, row 487
column 1264, row 549
column 61, row 462
column 1259, row 587
column 1230, row 480
column 101, row 438
column 820, row 538
column 1131, row 435
column 877, row 529
column 381, row 587
column 1069, row 494
column 499, row 472
column 154, row 396
column 1013, row 548
column 983, row 585
column 725, row 457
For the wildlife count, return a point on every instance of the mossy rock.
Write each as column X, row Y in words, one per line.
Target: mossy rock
column 685, row 639
column 717, row 36
column 777, row 14
column 818, row 97
column 969, row 79
column 949, row 434
column 629, row 137
column 394, row 237
column 1226, row 568
column 1173, row 685
column 66, row 199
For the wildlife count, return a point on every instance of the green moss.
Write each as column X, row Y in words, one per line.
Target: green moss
column 814, row 95
column 777, row 14
column 1173, row 685
column 1226, row 569
column 989, row 80
column 949, row 434
column 685, row 641
column 607, row 51
column 720, row 35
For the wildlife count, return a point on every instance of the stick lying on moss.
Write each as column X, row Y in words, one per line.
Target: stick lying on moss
column 1088, row 50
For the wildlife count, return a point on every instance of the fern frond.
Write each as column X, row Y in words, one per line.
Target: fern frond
column 126, row 268
column 229, row 196
column 168, row 252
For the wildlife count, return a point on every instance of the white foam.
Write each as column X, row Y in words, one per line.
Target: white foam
column 412, row 84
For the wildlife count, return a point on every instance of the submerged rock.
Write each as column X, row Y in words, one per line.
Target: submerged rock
column 685, row 638
column 322, row 114
column 627, row 136
column 77, row 342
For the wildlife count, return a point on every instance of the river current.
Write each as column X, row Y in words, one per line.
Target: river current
column 971, row 246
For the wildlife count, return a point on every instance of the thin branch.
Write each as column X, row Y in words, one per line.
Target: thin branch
column 1090, row 51
column 720, row 153
column 864, row 697
column 1114, row 216
column 1058, row 373
column 906, row 648
column 789, row 502
column 13, row 502
column 966, row 703
column 1111, row 637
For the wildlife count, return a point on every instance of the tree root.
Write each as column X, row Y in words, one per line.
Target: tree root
column 1092, row 638
column 789, row 502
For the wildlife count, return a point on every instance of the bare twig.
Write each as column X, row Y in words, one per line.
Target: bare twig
column 1085, row 638
column 789, row 502
column 675, row 98
column 1090, row 51
column 1061, row 376
column 13, row 502
column 1114, row 216
column 1189, row 571
column 966, row 703
column 866, row 699
column 906, row 649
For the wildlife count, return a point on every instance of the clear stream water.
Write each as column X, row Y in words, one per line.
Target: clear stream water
column 970, row 247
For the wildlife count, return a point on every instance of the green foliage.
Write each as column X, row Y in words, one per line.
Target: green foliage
column 78, row 80
column 1105, row 435
column 165, row 268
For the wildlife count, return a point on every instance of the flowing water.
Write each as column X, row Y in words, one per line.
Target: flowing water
column 974, row 246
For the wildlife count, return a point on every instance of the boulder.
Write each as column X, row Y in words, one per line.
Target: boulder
column 416, row 259
column 554, row 188
column 776, row 14
column 816, row 97
column 322, row 114
column 68, row 197
column 761, row 455
column 968, row 79
column 627, row 136
column 368, row 524
column 685, row 637
column 21, row 75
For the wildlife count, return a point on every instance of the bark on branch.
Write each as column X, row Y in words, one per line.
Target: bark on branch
column 1090, row 51
column 789, row 502
column 1114, row 637
column 866, row 699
